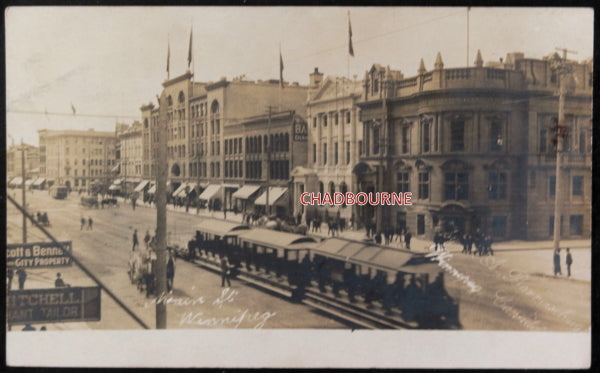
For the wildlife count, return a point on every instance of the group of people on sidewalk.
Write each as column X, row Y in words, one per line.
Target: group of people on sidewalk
column 89, row 223
column 568, row 262
column 482, row 243
column 142, row 264
column 21, row 275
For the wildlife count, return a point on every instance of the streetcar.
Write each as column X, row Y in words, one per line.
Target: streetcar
column 59, row 192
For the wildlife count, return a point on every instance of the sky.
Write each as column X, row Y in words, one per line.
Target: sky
column 108, row 61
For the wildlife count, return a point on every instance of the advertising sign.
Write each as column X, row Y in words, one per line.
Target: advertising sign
column 53, row 305
column 38, row 255
column 300, row 131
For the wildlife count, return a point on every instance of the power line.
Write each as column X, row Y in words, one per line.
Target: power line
column 71, row 114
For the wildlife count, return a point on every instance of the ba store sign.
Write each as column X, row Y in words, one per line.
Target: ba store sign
column 38, row 255
column 300, row 131
column 53, row 305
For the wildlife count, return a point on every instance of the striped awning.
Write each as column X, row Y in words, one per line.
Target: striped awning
column 275, row 193
column 246, row 191
column 39, row 181
column 141, row 186
column 210, row 192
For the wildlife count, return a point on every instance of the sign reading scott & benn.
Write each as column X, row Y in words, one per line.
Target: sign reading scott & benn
column 53, row 305
column 38, row 255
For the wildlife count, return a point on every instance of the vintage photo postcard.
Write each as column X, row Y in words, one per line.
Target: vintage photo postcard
column 392, row 187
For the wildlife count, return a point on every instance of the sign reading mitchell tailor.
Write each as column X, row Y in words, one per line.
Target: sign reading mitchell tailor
column 38, row 255
column 53, row 305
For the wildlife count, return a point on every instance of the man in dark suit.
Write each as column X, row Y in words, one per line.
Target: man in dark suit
column 569, row 262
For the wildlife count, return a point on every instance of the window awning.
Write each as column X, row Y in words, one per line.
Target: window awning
column 16, row 181
column 141, row 186
column 210, row 192
column 276, row 239
column 29, row 182
column 114, row 187
column 246, row 191
column 373, row 256
column 39, row 181
column 275, row 193
column 152, row 189
column 220, row 227
column 117, row 182
column 180, row 189
column 117, row 168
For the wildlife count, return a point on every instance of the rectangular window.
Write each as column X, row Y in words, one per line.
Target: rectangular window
column 314, row 122
column 576, row 225
column 360, row 147
column 376, row 140
column 324, row 153
column 456, row 186
column 336, row 118
column 498, row 226
column 551, row 225
column 420, row 224
column 582, row 142
column 551, row 186
column 457, row 136
column 577, row 189
column 347, row 152
column 324, row 119
column 336, row 153
column 402, row 182
column 314, row 153
column 425, row 136
column 497, row 185
column 405, row 139
column 348, row 116
column 423, row 185
column 496, row 140
column 543, row 141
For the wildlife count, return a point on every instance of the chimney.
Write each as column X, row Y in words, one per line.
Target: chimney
column 316, row 78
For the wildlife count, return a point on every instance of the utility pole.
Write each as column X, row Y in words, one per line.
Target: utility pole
column 23, row 190
column 161, row 218
column 563, row 70
column 268, row 150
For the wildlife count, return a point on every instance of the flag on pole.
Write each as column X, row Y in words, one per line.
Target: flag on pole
column 168, row 56
column 190, row 49
column 280, row 69
column 350, row 48
column 73, row 108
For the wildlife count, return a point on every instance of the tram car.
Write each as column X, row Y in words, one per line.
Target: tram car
column 400, row 282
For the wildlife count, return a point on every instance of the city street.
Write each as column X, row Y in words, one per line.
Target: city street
column 512, row 290
column 105, row 251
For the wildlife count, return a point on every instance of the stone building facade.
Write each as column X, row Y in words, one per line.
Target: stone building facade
column 77, row 158
column 474, row 147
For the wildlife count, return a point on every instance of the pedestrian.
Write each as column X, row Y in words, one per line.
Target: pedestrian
column 22, row 275
column 43, row 328
column 378, row 238
column 170, row 271
column 352, row 218
column 407, row 238
column 225, row 272
column 59, row 283
column 133, row 202
column 224, row 213
column 569, row 262
column 147, row 239
column 9, row 277
column 557, row 262
column 136, row 242
column 90, row 223
column 82, row 223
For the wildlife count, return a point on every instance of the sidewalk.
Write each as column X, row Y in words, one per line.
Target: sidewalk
column 418, row 244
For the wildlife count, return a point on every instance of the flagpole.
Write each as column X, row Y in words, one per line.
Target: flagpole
column 280, row 77
column 468, row 12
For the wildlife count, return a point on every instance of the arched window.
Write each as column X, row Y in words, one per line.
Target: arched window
column 181, row 97
column 146, row 123
column 214, row 107
column 321, row 188
column 287, row 142
column 169, row 101
column 331, row 188
column 266, row 143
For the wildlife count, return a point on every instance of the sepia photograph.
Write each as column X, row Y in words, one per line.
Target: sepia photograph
column 299, row 187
